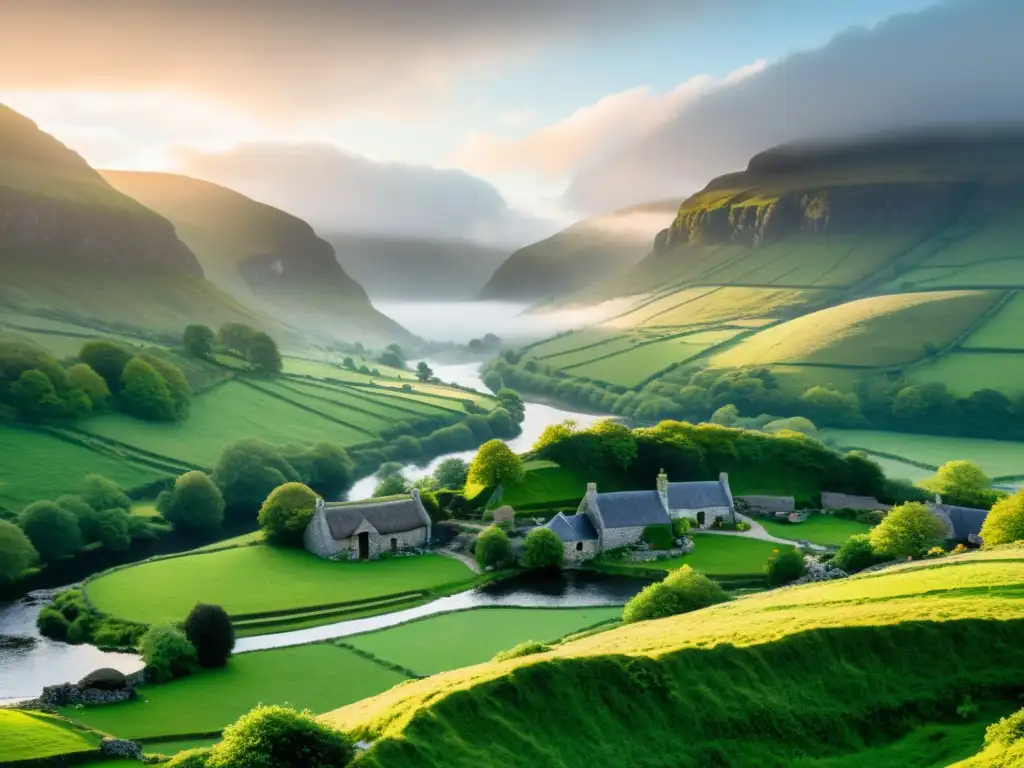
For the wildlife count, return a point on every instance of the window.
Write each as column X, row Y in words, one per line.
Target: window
column 579, row 546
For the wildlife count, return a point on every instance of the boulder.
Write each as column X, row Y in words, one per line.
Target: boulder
column 105, row 679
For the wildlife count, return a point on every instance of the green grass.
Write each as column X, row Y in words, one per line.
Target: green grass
column 318, row 677
column 717, row 555
column 1001, row 331
column 144, row 509
column 259, row 579
column 26, row 735
column 454, row 640
column 35, row 465
column 817, row 529
column 999, row 458
column 176, row 746
column 901, row 470
column 967, row 372
column 630, row 368
column 546, row 484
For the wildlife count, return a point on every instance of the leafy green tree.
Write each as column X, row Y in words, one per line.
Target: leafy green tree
column 263, row 354
column 555, row 433
column 682, row 591
column 856, row 554
column 451, row 473
column 387, row 469
column 209, row 630
column 618, row 445
column 405, row 447
column 113, row 529
column 909, row 530
column 513, row 403
column 86, row 516
column 493, row 549
column 144, row 393
column 84, row 378
column 832, row 406
column 236, row 337
column 34, row 397
column 501, row 423
column 326, row 468
column 392, row 485
column 248, row 470
column 196, row 505
column 286, row 513
column 176, row 383
column 1005, row 523
column 53, row 531
column 107, row 359
column 102, row 493
column 271, row 736
column 349, row 364
column 198, row 341
column 492, row 380
column 167, row 653
column 423, row 371
column 786, row 565
column 543, row 550
column 16, row 552
column 496, row 464
column 963, row 483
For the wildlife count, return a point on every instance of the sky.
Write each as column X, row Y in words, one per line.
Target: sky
column 490, row 120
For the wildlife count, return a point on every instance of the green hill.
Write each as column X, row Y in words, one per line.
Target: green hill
column 263, row 257
column 585, row 253
column 811, row 676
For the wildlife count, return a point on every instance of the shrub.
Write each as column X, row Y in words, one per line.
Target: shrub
column 451, row 473
column 144, row 393
column 1005, row 523
column 493, row 549
column 392, row 485
column 277, row 736
column 856, row 554
column 167, row 653
column 198, row 341
column 34, row 397
column 527, row 648
column 107, row 359
column 496, row 464
column 681, row 526
column 16, row 552
column 785, row 566
column 543, row 550
column 190, row 758
column 53, row 531
column 208, row 628
column 909, row 530
column 263, row 354
column 51, row 623
column 286, row 513
column 100, row 493
column 682, row 591
column 249, row 470
column 112, row 528
column 196, row 505
column 659, row 536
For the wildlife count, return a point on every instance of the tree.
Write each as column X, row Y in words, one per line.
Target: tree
column 144, row 393
column 196, row 505
column 167, row 653
column 271, row 736
column 1005, row 523
column 555, row 433
column 83, row 377
column 198, row 341
column 16, row 552
column 543, row 550
column 392, row 485
column 496, row 464
column 909, row 530
column 501, row 423
column 263, row 354
column 855, row 554
column 101, row 493
column 349, row 364
column 34, row 397
column 785, row 566
column 493, row 549
column 53, row 531
column 962, row 483
column 112, row 528
column 451, row 473
column 512, row 403
column 286, row 513
column 248, row 470
column 177, row 384
column 107, row 359
column 492, row 380
column 326, row 468
column 236, row 337
column 423, row 371
column 618, row 445
column 209, row 630
column 682, row 591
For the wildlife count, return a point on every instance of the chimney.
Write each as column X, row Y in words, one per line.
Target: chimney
column 662, row 486
column 723, row 480
column 415, row 494
column 591, row 489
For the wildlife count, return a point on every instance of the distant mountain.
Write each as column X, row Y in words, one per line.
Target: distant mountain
column 262, row 256
column 416, row 269
column 585, row 253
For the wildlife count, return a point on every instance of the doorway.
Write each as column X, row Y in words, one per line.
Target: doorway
column 394, row 544
column 364, row 545
column 701, row 519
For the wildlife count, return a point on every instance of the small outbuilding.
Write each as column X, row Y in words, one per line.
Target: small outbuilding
column 963, row 524
column 578, row 535
column 363, row 530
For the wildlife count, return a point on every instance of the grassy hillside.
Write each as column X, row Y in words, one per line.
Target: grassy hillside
column 263, row 257
column 729, row 685
column 28, row 735
column 580, row 255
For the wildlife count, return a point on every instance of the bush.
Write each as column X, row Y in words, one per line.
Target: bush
column 527, row 648
column 681, row 526
column 785, row 566
column 167, row 653
column 198, row 341
column 107, row 359
column 112, row 528
column 392, row 485
column 909, row 530
column 100, row 493
column 493, row 549
column 271, row 736
column 51, row 623
column 35, row 399
column 659, row 536
column 53, row 531
column 196, row 505
column 16, row 552
column 451, row 473
column 856, row 554
column 286, row 513
column 144, row 393
column 190, row 758
column 543, row 550
column 249, row 470
column 263, row 354
column 208, row 628
column 682, row 591
column 1005, row 523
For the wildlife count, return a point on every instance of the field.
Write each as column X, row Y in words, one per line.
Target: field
column 454, row 640
column 817, row 529
column 317, row 677
column 717, row 555
column 631, row 368
column 967, row 372
column 34, row 735
column 1003, row 331
column 999, row 458
column 551, row 484
column 260, row 579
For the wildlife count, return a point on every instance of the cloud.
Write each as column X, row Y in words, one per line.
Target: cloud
column 297, row 58
column 340, row 191
column 957, row 64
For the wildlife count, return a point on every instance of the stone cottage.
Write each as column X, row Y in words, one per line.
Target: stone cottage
column 963, row 524
column 362, row 530
column 610, row 520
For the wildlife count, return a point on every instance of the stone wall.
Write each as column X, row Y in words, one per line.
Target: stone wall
column 378, row 544
column 710, row 515
column 587, row 550
column 613, row 538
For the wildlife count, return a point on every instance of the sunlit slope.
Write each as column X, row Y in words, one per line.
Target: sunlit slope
column 800, row 671
column 262, row 256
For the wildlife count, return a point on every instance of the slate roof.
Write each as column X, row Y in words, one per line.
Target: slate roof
column 572, row 527
column 627, row 509
column 965, row 520
column 697, row 495
column 387, row 516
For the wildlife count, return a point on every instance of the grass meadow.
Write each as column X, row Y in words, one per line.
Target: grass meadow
column 546, row 484
column 1002, row 331
column 967, row 372
column 34, row 735
column 817, row 529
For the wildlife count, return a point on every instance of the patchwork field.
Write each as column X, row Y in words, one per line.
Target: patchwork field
column 632, row 367
column 34, row 736
column 261, row 579
column 967, row 372
column 1005, row 330
column 817, row 529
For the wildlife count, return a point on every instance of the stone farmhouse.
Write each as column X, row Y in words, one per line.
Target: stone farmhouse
column 610, row 520
column 362, row 530
column 963, row 524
